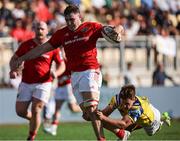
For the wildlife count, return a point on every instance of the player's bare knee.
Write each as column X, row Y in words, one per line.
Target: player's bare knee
column 22, row 109
column 74, row 108
column 21, row 113
column 91, row 113
column 93, row 116
column 86, row 117
column 90, row 106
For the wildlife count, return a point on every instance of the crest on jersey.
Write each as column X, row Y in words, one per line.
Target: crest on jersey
column 84, row 29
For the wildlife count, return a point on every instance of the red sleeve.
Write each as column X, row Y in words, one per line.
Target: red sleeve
column 21, row 50
column 97, row 27
column 56, row 39
column 57, row 56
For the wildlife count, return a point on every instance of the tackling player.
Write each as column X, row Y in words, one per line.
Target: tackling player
column 36, row 79
column 79, row 41
column 137, row 112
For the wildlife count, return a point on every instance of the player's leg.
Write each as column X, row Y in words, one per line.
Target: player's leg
column 56, row 117
column 46, row 119
column 57, row 113
column 155, row 125
column 122, row 134
column 89, row 107
column 60, row 96
column 86, row 89
column 48, row 112
column 23, row 101
column 74, row 107
column 72, row 103
column 22, row 109
column 41, row 94
column 37, row 106
column 165, row 118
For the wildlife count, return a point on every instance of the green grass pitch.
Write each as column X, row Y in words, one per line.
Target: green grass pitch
column 83, row 131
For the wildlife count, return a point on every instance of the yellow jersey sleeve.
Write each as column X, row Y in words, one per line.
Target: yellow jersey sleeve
column 113, row 102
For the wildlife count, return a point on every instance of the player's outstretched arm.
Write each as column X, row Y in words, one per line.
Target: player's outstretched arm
column 116, row 123
column 12, row 61
column 15, row 72
column 34, row 53
column 108, row 110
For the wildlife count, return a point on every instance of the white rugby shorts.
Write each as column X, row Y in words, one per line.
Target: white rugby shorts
column 40, row 91
column 155, row 125
column 65, row 93
column 86, row 81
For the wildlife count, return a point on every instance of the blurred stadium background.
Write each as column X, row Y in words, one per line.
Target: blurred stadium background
column 152, row 29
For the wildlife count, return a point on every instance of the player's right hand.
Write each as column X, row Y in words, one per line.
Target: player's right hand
column 13, row 74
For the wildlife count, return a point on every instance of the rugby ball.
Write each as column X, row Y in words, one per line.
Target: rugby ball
column 110, row 34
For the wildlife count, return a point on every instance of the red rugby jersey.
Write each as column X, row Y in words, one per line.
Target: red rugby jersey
column 38, row 70
column 79, row 45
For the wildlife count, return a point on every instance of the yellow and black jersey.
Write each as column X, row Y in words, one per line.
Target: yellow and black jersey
column 141, row 112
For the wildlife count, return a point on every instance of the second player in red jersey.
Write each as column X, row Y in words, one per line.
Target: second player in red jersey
column 36, row 79
column 37, row 70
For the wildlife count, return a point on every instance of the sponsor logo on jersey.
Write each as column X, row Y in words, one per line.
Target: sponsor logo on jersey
column 84, row 29
column 77, row 40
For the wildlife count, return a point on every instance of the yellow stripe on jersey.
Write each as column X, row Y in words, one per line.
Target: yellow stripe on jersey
column 141, row 112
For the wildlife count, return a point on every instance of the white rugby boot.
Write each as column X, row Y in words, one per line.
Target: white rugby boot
column 52, row 130
column 126, row 135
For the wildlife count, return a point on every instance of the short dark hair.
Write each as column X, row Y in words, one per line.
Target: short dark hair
column 71, row 9
column 128, row 91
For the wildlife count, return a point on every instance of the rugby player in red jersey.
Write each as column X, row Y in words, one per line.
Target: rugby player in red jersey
column 79, row 41
column 36, row 78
